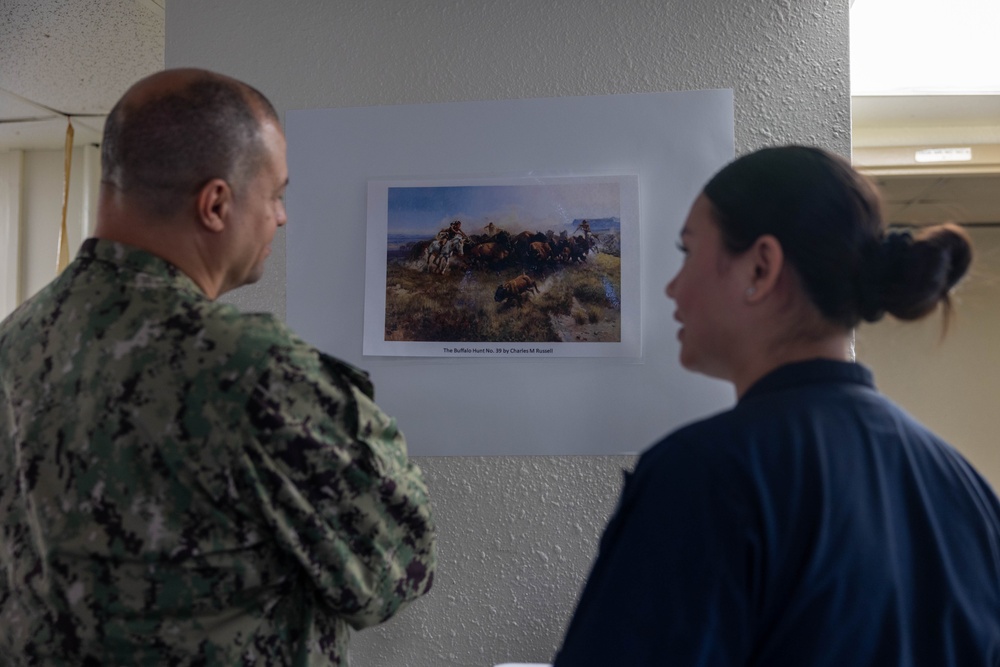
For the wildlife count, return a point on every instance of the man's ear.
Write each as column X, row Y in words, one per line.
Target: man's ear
column 767, row 259
column 214, row 202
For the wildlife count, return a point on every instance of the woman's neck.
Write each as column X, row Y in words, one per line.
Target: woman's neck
column 834, row 346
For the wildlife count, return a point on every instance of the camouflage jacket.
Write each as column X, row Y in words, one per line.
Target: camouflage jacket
column 185, row 484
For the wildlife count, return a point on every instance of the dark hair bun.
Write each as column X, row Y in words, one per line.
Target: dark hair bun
column 909, row 276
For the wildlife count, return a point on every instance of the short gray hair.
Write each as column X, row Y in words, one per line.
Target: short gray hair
column 165, row 148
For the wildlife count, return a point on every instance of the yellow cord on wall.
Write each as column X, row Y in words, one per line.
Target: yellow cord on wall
column 62, row 258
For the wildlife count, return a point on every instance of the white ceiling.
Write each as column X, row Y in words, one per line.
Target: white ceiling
column 921, row 47
column 76, row 57
column 71, row 58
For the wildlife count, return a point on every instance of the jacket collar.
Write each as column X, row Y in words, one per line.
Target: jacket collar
column 131, row 259
column 814, row 371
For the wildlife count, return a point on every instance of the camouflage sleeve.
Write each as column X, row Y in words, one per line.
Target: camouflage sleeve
column 330, row 473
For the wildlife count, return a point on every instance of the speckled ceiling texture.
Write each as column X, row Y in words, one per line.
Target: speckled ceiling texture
column 73, row 56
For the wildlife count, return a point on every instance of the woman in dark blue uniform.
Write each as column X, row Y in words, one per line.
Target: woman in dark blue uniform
column 816, row 523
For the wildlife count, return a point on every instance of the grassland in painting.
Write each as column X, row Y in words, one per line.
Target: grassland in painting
column 574, row 302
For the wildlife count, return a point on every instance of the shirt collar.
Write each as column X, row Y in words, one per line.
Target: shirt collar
column 814, row 371
column 129, row 258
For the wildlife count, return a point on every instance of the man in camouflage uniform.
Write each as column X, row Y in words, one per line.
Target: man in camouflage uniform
column 181, row 483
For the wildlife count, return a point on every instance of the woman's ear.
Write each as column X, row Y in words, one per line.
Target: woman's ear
column 214, row 202
column 766, row 259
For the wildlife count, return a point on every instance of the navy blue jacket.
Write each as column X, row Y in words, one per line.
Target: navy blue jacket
column 814, row 524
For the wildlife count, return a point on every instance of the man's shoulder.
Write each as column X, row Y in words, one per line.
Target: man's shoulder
column 225, row 320
column 259, row 336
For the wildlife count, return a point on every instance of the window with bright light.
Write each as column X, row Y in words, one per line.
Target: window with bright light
column 924, row 47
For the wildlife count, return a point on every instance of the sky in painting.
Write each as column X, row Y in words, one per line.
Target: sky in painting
column 535, row 207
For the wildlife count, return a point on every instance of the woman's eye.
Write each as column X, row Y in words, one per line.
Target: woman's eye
column 683, row 248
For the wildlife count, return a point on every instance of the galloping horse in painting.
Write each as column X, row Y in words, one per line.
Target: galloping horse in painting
column 440, row 251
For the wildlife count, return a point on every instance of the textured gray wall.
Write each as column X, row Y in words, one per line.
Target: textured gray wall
column 517, row 534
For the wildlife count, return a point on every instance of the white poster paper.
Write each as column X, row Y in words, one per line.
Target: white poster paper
column 577, row 399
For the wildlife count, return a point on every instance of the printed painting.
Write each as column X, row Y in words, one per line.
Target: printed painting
column 518, row 267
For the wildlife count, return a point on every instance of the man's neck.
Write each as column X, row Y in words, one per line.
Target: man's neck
column 169, row 239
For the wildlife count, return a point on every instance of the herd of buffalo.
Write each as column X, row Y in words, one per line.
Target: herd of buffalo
column 501, row 251
column 528, row 250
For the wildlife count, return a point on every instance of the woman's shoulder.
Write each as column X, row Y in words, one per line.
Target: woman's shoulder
column 713, row 442
column 774, row 432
